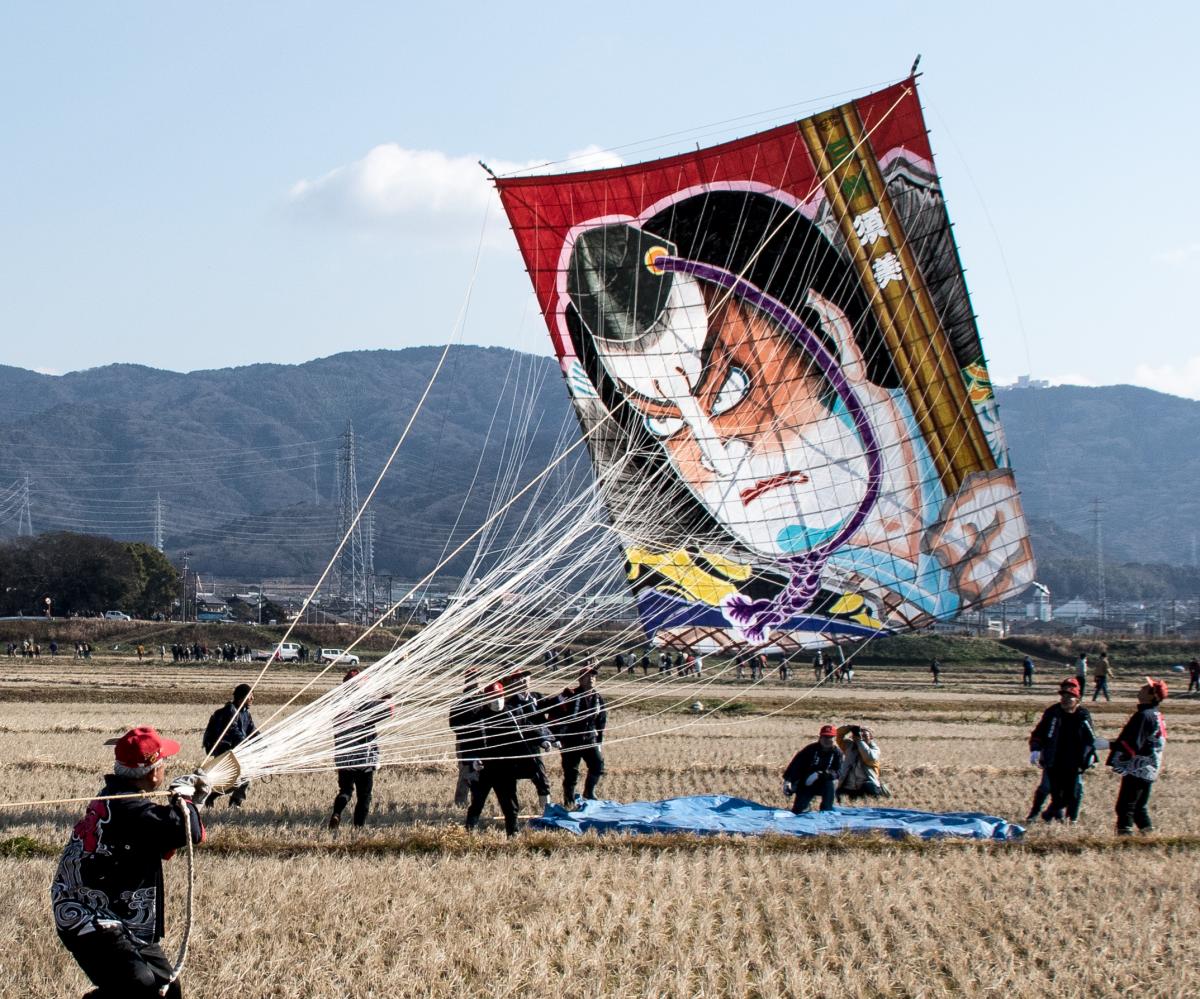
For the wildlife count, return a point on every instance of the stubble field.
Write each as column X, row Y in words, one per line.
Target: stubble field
column 413, row 907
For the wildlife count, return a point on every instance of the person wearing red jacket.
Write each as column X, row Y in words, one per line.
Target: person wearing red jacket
column 107, row 893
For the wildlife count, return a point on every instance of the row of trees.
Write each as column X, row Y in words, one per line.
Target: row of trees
column 85, row 574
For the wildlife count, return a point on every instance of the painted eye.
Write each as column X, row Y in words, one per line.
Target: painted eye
column 733, row 391
column 664, row 426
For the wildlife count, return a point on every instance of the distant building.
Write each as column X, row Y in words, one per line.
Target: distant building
column 1025, row 382
column 1075, row 611
column 1038, row 609
column 212, row 608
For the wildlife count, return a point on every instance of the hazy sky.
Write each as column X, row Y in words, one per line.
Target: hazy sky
column 204, row 185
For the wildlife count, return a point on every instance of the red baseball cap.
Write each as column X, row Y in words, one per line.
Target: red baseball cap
column 143, row 748
column 1159, row 687
column 827, row 730
column 494, row 688
column 1071, row 685
column 350, row 674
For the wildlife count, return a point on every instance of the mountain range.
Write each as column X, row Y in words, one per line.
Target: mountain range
column 240, row 466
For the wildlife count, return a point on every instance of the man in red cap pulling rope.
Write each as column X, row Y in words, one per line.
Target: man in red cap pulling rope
column 814, row 772
column 107, row 893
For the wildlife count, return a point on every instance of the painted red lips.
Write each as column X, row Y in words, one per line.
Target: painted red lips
column 751, row 493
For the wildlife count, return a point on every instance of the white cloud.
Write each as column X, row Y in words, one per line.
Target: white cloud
column 1072, row 378
column 1177, row 379
column 420, row 191
column 1181, row 256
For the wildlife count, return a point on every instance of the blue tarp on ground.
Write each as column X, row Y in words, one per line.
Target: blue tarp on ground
column 718, row 813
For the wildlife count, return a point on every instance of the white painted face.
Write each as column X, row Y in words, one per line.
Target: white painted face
column 755, row 433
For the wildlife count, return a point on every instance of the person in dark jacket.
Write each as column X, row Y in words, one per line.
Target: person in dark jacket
column 503, row 739
column 578, row 719
column 464, row 717
column 228, row 727
column 530, row 709
column 814, row 772
column 1136, row 754
column 1063, row 744
column 107, row 893
column 356, row 754
column 1027, row 670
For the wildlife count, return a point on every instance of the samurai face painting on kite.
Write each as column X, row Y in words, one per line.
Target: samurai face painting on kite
column 774, row 453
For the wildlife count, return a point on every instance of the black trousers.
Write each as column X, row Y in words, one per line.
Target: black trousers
column 501, row 778
column 824, row 788
column 1133, row 800
column 1066, row 795
column 1039, row 796
column 355, row 783
column 236, row 797
column 593, row 759
column 866, row 791
column 534, row 771
column 121, row 967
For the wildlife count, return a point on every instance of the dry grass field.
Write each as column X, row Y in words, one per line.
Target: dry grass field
column 413, row 907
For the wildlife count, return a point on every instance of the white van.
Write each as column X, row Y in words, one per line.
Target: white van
column 287, row 652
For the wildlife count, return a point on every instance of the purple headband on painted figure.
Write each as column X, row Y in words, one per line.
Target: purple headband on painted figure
column 756, row 618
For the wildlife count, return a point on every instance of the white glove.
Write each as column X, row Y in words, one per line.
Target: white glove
column 811, row 779
column 788, row 789
column 477, row 765
column 193, row 787
column 1102, row 743
column 1035, row 758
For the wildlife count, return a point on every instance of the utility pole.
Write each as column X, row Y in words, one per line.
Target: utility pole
column 1101, row 597
column 369, row 559
column 183, row 597
column 158, row 521
column 316, row 490
column 349, row 571
column 261, row 584
column 24, row 518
